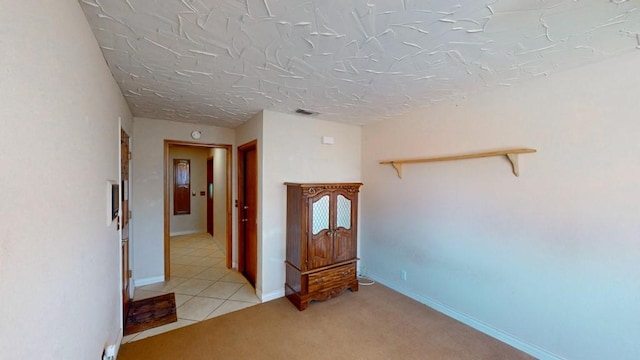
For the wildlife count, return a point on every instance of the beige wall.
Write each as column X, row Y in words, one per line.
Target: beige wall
column 220, row 197
column 196, row 221
column 148, row 188
column 59, row 260
column 548, row 260
column 292, row 152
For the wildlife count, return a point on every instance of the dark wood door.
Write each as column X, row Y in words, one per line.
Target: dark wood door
column 124, row 220
column 181, row 186
column 210, row 196
column 248, row 211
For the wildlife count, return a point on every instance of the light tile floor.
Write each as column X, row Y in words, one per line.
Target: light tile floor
column 203, row 286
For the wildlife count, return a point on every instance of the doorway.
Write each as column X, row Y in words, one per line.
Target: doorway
column 225, row 203
column 124, row 221
column 210, row 212
column 248, row 211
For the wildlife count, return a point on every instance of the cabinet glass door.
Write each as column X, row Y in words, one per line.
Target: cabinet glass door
column 319, row 246
column 343, row 240
column 343, row 212
column 320, row 213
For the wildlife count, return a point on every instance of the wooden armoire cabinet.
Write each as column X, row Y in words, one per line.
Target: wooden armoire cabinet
column 322, row 223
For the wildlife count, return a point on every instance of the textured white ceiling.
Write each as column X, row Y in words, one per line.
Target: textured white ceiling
column 220, row 62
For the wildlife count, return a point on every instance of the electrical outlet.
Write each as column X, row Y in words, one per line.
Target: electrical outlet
column 109, row 353
column 403, row 275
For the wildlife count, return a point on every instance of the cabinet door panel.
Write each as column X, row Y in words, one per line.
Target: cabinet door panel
column 344, row 246
column 319, row 248
column 344, row 242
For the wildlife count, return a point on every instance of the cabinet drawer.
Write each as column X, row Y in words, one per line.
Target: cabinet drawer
column 331, row 278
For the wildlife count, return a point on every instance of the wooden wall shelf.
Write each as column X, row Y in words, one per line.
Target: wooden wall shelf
column 511, row 154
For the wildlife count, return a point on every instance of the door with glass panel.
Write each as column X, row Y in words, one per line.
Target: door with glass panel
column 331, row 230
column 319, row 247
column 344, row 241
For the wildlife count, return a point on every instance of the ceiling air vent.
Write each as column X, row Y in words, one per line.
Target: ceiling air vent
column 306, row 112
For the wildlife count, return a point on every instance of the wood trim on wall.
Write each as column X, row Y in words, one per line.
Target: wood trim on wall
column 168, row 173
column 229, row 207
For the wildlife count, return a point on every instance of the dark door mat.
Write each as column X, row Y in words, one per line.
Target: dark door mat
column 149, row 313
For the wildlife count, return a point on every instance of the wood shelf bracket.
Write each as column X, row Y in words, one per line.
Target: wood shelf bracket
column 511, row 154
column 514, row 163
column 398, row 167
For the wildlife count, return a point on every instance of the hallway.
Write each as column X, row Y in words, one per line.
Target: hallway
column 204, row 288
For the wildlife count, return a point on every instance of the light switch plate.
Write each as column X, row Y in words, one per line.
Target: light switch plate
column 327, row 140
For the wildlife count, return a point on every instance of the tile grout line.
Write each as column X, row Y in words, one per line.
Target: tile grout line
column 193, row 244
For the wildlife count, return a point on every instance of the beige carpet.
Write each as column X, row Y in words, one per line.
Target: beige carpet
column 374, row 323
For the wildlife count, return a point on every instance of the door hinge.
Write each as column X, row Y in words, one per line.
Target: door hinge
column 130, row 215
column 130, row 156
column 130, row 273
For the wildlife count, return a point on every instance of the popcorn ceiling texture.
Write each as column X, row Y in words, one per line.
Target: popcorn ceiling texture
column 220, row 62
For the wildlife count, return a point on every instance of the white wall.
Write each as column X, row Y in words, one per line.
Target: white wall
column 220, row 196
column 196, row 221
column 148, row 188
column 549, row 260
column 292, row 152
column 59, row 260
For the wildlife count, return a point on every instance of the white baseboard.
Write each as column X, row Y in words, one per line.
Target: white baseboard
column 148, row 281
column 119, row 341
column 112, row 347
column 270, row 295
column 187, row 232
column 498, row 334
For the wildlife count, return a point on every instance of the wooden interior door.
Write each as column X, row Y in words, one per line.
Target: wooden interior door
column 181, row 186
column 124, row 220
column 210, row 196
column 248, row 211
